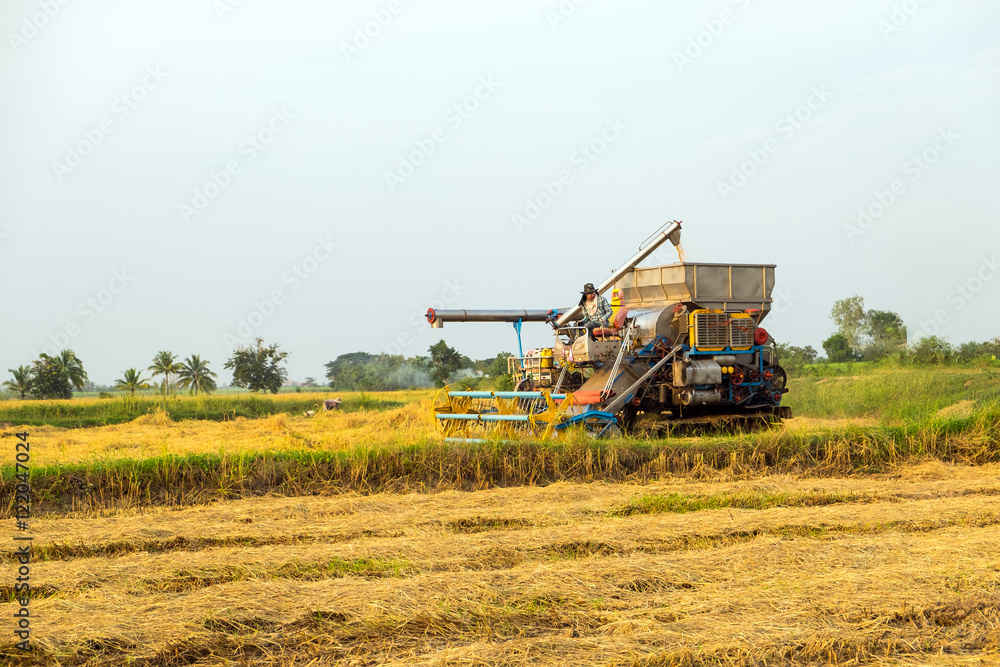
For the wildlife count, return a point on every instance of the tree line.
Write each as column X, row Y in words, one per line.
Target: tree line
column 257, row 368
column 48, row 376
column 361, row 371
column 876, row 335
column 260, row 368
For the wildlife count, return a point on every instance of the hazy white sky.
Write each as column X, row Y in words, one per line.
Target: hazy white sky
column 188, row 175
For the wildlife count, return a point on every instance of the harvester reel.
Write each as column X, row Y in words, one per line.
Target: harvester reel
column 551, row 418
column 443, row 403
column 464, row 414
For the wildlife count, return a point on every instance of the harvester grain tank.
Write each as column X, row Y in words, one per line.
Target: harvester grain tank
column 686, row 343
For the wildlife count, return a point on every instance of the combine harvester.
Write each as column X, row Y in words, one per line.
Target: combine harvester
column 685, row 347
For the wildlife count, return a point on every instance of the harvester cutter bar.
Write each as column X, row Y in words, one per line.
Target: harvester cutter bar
column 504, row 394
column 484, row 417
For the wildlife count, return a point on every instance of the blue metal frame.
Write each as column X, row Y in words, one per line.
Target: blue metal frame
column 647, row 354
column 609, row 419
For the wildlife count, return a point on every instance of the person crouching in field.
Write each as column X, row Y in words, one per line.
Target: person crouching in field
column 328, row 404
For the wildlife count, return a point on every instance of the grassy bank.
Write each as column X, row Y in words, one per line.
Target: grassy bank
column 893, row 395
column 427, row 464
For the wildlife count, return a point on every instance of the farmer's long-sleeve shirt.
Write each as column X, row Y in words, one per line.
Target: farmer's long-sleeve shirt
column 598, row 310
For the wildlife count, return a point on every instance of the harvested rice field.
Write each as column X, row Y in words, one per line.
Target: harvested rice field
column 895, row 569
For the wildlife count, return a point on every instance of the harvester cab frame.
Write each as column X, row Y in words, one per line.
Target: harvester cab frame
column 685, row 345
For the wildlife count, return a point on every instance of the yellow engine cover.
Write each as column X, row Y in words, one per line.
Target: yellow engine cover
column 716, row 330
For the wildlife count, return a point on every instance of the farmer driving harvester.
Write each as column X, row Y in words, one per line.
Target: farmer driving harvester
column 596, row 310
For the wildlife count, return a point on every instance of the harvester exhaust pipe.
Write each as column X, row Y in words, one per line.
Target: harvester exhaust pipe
column 671, row 230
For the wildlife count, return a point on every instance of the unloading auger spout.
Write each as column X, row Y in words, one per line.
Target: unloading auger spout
column 671, row 231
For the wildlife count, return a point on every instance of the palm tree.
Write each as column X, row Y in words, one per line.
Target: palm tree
column 194, row 373
column 131, row 380
column 165, row 364
column 71, row 365
column 21, row 382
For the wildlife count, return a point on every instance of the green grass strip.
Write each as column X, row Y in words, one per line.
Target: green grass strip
column 80, row 414
column 678, row 503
